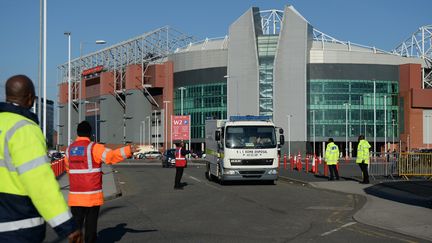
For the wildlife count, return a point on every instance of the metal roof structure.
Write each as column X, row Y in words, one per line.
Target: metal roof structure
column 150, row 47
column 419, row 44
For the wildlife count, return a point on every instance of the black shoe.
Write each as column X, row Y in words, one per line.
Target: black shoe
column 331, row 179
column 183, row 184
column 337, row 178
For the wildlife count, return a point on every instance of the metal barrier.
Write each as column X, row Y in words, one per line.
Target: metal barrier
column 415, row 164
column 383, row 164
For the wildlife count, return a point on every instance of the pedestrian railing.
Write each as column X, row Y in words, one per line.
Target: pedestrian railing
column 415, row 164
column 383, row 164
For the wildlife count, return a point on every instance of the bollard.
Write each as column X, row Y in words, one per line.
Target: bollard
column 346, row 159
column 285, row 161
column 316, row 167
column 307, row 164
column 337, row 167
column 313, row 164
column 299, row 163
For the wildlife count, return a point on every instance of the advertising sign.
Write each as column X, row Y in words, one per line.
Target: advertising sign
column 180, row 127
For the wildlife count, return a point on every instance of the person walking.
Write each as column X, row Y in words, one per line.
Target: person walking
column 363, row 158
column 331, row 159
column 180, row 164
column 29, row 191
column 83, row 163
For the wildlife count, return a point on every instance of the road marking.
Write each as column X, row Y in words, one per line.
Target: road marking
column 339, row 228
column 193, row 178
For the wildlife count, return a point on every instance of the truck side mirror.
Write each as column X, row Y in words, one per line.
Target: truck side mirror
column 282, row 139
column 281, row 131
column 217, row 135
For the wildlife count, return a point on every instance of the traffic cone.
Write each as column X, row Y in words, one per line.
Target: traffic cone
column 313, row 164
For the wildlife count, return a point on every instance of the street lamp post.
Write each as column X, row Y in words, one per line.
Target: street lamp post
column 360, row 122
column 374, row 102
column 346, row 128
column 143, row 131
column 166, row 102
column 313, row 125
column 385, row 125
column 155, row 121
column 289, row 135
column 149, row 128
column 68, row 34
column 97, row 42
column 393, row 120
column 181, row 99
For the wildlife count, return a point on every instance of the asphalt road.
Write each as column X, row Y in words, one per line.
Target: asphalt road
column 151, row 211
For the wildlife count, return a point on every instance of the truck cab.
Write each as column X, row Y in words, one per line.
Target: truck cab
column 243, row 148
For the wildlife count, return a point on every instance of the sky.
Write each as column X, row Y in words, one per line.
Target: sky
column 380, row 23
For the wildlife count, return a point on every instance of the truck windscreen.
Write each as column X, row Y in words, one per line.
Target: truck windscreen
column 250, row 137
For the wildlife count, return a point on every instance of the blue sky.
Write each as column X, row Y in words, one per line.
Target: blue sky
column 380, row 23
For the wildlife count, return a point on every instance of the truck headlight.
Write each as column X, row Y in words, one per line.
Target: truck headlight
column 273, row 172
column 230, row 172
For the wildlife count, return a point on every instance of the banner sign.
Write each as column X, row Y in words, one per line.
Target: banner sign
column 92, row 70
column 180, row 127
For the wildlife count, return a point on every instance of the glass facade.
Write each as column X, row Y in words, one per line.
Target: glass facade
column 267, row 46
column 334, row 103
column 202, row 102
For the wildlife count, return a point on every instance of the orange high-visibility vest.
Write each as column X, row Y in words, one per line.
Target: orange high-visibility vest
column 180, row 160
column 85, row 175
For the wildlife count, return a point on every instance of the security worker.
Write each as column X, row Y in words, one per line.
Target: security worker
column 180, row 163
column 83, row 161
column 331, row 159
column 29, row 191
column 363, row 158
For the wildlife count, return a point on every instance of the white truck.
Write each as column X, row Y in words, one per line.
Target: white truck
column 243, row 148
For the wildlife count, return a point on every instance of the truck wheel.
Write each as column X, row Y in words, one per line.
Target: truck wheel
column 219, row 176
column 208, row 174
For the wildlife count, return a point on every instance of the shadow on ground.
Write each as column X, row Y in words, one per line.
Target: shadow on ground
column 417, row 193
column 115, row 234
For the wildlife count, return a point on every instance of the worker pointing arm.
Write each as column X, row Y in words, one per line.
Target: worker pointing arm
column 84, row 161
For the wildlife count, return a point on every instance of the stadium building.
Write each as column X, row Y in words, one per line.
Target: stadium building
column 272, row 63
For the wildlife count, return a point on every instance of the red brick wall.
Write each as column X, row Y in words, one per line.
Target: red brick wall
column 415, row 100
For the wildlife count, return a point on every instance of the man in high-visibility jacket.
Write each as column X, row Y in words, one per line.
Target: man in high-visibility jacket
column 331, row 159
column 180, row 164
column 363, row 158
column 29, row 191
column 83, row 163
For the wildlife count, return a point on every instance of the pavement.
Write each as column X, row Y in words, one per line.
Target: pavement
column 396, row 205
column 391, row 203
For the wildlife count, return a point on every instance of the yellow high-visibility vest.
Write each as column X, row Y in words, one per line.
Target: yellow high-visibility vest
column 29, row 191
column 363, row 151
column 332, row 154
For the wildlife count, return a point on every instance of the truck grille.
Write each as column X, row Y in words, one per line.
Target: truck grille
column 252, row 173
column 252, row 162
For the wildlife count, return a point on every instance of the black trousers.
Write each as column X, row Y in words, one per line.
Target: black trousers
column 333, row 172
column 87, row 217
column 178, row 176
column 364, row 169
